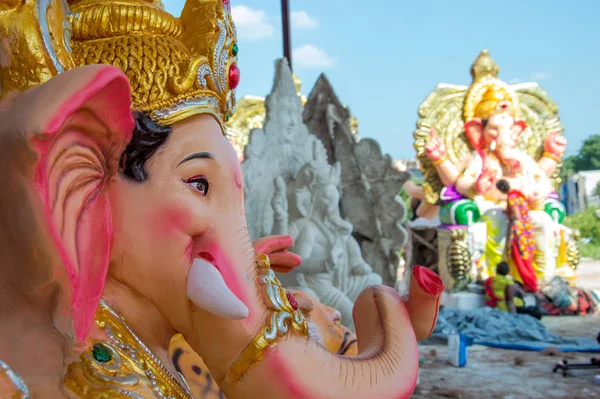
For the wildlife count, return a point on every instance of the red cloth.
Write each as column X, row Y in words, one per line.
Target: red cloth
column 525, row 268
column 492, row 301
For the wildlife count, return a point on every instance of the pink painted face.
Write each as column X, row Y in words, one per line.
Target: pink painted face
column 184, row 227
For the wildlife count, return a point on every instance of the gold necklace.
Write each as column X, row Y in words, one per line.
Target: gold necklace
column 121, row 366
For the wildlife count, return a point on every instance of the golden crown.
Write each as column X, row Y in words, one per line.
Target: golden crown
column 178, row 67
column 488, row 95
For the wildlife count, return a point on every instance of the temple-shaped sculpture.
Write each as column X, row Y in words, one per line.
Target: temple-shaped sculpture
column 490, row 154
column 292, row 189
column 250, row 114
column 370, row 183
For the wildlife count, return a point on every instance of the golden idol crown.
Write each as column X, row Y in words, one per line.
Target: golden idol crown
column 488, row 95
column 178, row 67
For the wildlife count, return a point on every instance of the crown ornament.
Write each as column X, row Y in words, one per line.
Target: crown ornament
column 177, row 67
column 488, row 95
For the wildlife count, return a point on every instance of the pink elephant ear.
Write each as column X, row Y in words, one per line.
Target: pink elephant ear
column 474, row 130
column 78, row 123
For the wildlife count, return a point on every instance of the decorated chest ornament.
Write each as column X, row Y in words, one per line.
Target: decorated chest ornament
column 178, row 67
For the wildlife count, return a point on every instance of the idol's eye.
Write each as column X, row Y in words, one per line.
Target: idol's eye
column 198, row 183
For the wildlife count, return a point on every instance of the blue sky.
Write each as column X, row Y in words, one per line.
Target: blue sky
column 383, row 56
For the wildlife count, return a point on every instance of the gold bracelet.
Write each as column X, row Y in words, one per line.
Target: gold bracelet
column 440, row 161
column 551, row 156
column 283, row 317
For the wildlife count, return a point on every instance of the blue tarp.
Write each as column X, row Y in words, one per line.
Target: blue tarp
column 493, row 327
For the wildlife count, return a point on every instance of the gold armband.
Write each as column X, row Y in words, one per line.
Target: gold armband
column 440, row 161
column 551, row 156
column 284, row 316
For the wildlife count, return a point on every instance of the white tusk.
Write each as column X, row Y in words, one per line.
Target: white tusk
column 207, row 290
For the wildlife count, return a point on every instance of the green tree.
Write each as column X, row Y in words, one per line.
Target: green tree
column 589, row 155
column 568, row 168
column 597, row 189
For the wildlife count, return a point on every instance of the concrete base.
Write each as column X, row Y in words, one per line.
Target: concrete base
column 463, row 300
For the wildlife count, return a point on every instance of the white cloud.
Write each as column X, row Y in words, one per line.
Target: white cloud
column 301, row 20
column 540, row 75
column 252, row 24
column 535, row 76
column 309, row 56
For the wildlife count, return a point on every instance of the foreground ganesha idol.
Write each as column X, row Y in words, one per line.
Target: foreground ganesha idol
column 122, row 223
column 481, row 148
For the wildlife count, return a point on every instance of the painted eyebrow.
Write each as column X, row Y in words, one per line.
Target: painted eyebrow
column 197, row 155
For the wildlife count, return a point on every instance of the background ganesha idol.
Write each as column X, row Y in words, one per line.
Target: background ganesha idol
column 123, row 222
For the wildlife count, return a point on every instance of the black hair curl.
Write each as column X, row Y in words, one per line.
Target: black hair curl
column 147, row 138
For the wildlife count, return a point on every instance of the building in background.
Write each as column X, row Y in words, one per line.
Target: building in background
column 578, row 192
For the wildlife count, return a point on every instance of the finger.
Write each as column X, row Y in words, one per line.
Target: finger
column 433, row 133
column 284, row 262
column 270, row 244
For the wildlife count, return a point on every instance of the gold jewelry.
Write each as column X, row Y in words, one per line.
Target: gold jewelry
column 120, row 366
column 178, row 67
column 35, row 43
column 284, row 316
column 440, row 161
column 21, row 389
column 551, row 156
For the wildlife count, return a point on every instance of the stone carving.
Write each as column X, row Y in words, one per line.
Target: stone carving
column 333, row 268
column 297, row 193
column 280, row 148
column 250, row 114
column 369, row 181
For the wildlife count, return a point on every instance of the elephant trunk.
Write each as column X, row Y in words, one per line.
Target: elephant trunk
column 386, row 366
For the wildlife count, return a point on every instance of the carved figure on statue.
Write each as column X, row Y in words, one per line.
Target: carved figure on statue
column 333, row 269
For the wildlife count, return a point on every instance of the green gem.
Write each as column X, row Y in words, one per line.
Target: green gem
column 234, row 50
column 101, row 353
column 227, row 116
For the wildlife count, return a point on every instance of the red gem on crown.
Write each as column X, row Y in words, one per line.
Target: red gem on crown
column 234, row 76
column 227, row 4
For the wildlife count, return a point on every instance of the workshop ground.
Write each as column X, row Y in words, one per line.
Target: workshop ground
column 506, row 374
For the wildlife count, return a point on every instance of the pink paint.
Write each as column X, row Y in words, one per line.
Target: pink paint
column 189, row 251
column 285, row 377
column 238, row 178
column 208, row 257
column 172, row 219
column 268, row 245
column 86, row 262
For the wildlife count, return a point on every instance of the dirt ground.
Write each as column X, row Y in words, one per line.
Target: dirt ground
column 506, row 374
